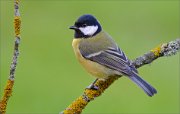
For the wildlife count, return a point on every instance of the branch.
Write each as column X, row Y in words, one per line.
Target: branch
column 10, row 82
column 166, row 49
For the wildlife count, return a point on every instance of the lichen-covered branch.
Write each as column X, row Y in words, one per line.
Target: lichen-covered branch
column 10, row 82
column 166, row 49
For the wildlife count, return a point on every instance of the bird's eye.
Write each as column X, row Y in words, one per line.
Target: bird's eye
column 84, row 25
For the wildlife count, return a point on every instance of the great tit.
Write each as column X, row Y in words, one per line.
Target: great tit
column 100, row 55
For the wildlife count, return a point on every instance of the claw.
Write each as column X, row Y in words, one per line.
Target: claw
column 93, row 87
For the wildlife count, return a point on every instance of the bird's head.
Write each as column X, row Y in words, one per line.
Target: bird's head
column 86, row 26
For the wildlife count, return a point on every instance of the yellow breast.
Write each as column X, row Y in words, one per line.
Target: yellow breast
column 93, row 68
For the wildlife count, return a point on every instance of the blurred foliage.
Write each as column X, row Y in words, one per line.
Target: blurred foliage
column 48, row 76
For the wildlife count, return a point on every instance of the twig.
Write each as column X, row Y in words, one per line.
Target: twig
column 166, row 49
column 10, row 82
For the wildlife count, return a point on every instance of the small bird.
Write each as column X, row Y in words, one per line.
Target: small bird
column 100, row 55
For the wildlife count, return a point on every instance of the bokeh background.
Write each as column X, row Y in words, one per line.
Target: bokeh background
column 48, row 76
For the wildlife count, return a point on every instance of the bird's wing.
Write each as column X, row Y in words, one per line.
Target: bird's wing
column 112, row 58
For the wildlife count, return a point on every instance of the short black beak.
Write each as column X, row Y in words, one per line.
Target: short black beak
column 73, row 27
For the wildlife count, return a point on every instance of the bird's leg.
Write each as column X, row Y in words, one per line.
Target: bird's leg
column 93, row 86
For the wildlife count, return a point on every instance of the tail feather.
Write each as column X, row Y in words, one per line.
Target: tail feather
column 148, row 89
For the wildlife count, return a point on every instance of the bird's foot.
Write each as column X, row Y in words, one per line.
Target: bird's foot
column 93, row 87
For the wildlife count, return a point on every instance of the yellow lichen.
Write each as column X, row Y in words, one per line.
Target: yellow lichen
column 7, row 94
column 157, row 51
column 17, row 24
column 76, row 107
column 89, row 94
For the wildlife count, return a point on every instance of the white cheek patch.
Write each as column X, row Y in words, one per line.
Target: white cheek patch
column 89, row 30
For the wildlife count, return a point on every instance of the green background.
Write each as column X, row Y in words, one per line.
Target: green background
column 48, row 76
